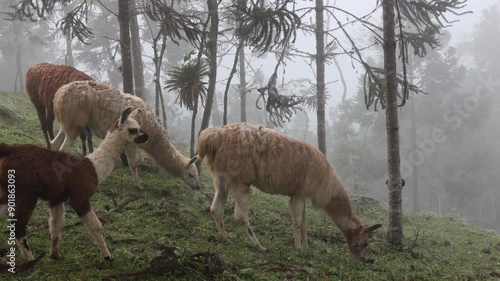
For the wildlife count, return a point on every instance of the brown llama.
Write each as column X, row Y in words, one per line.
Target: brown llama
column 241, row 155
column 29, row 173
column 42, row 82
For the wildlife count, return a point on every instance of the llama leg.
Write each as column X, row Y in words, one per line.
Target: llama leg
column 89, row 139
column 24, row 210
column 94, row 226
column 41, row 111
column 56, row 224
column 133, row 161
column 83, row 138
column 297, row 207
column 58, row 140
column 4, row 210
column 217, row 208
column 69, row 139
column 241, row 195
column 50, row 124
column 303, row 230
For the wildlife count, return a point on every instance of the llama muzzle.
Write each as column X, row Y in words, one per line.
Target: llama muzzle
column 142, row 138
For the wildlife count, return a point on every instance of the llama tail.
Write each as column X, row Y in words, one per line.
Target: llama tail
column 5, row 150
column 208, row 142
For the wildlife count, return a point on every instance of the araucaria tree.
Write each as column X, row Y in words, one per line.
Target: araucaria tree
column 427, row 18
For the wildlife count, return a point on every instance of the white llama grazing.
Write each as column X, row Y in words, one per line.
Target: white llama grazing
column 240, row 155
column 96, row 104
column 31, row 172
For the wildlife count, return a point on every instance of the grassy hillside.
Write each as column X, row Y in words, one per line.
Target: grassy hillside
column 166, row 233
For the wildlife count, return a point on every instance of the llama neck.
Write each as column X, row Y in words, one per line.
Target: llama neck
column 106, row 155
column 165, row 155
column 339, row 209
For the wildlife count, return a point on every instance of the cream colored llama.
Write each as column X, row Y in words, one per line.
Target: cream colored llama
column 240, row 155
column 58, row 178
column 96, row 105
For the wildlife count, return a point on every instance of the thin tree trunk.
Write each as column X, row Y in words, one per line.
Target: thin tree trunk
column 395, row 228
column 243, row 85
column 306, row 126
column 193, row 129
column 127, row 72
column 69, row 52
column 212, row 61
column 228, row 84
column 19, row 54
column 19, row 66
column 137, row 63
column 342, row 78
column 320, row 78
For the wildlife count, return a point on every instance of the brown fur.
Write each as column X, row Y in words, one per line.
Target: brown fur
column 30, row 172
column 42, row 82
column 38, row 175
column 240, row 155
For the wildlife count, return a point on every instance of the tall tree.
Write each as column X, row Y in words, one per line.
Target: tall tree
column 136, row 49
column 212, row 61
column 243, row 85
column 320, row 75
column 395, row 227
column 127, row 70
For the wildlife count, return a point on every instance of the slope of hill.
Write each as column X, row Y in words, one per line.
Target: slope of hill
column 166, row 232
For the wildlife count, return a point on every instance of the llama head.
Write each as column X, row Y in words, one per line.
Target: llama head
column 357, row 240
column 190, row 174
column 129, row 128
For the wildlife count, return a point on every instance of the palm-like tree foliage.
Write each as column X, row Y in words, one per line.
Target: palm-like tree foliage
column 188, row 80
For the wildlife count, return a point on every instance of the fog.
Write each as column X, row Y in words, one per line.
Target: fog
column 450, row 158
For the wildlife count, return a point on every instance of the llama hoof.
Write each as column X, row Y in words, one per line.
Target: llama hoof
column 263, row 250
column 366, row 260
column 109, row 259
column 54, row 256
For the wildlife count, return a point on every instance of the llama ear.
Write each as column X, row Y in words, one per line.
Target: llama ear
column 125, row 113
column 134, row 113
column 372, row 228
column 194, row 159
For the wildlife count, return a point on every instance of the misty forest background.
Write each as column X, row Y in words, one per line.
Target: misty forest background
column 449, row 131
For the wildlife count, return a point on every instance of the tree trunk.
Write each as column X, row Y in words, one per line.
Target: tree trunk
column 137, row 63
column 320, row 75
column 127, row 72
column 243, row 85
column 229, row 79
column 69, row 52
column 193, row 129
column 19, row 54
column 395, row 228
column 212, row 61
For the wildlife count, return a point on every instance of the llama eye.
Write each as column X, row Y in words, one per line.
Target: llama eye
column 133, row 131
column 191, row 175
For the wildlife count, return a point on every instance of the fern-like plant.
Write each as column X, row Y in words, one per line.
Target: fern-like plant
column 188, row 80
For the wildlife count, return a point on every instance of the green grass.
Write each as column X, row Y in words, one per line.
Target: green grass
column 168, row 214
